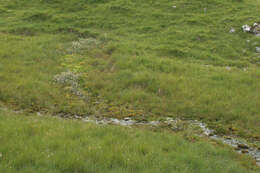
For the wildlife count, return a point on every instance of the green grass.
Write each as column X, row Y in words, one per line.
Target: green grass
column 139, row 58
column 164, row 61
column 47, row 144
column 149, row 59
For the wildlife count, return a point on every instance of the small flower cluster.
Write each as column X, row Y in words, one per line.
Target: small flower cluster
column 84, row 43
column 69, row 79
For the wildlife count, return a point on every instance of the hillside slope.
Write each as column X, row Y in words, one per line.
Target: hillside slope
column 144, row 59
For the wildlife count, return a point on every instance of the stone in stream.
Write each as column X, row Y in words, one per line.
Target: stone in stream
column 227, row 137
column 127, row 119
column 242, row 146
column 244, row 151
column 154, row 123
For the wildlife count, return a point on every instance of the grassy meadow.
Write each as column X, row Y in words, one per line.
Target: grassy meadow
column 135, row 58
column 32, row 144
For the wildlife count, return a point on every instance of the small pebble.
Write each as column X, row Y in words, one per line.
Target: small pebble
column 232, row 30
column 244, row 151
column 127, row 119
column 244, row 146
column 246, row 28
column 228, row 68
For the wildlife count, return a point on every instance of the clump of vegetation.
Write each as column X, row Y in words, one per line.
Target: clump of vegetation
column 82, row 44
column 71, row 81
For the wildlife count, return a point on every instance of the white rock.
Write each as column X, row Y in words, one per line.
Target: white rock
column 114, row 120
column 246, row 28
column 127, row 118
column 257, row 49
column 154, row 123
column 174, row 6
column 228, row 68
column 232, row 30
